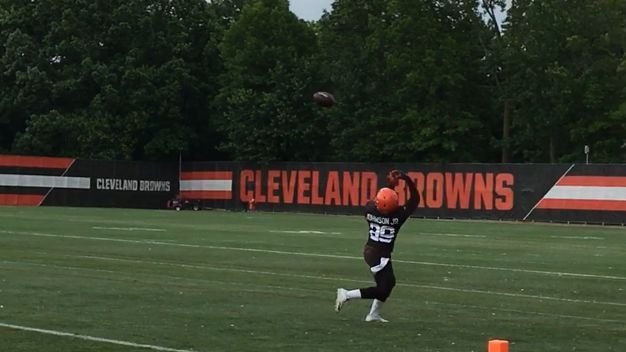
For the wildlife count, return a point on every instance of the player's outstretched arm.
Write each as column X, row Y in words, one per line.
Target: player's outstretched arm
column 393, row 178
column 414, row 199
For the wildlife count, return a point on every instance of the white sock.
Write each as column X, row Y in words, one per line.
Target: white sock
column 352, row 294
column 376, row 305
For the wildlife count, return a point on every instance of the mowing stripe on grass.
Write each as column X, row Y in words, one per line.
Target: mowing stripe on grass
column 271, row 288
column 194, row 266
column 300, row 276
column 522, row 312
column 257, row 250
column 91, row 338
column 518, row 295
column 314, row 277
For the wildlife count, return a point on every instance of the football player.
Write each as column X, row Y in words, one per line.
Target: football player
column 384, row 217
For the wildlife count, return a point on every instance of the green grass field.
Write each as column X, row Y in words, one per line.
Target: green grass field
column 144, row 280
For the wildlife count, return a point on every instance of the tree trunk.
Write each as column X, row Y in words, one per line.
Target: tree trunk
column 552, row 150
column 506, row 132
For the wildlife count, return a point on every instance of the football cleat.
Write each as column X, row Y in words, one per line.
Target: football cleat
column 342, row 298
column 376, row 317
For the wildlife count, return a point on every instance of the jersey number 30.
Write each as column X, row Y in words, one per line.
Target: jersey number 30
column 382, row 233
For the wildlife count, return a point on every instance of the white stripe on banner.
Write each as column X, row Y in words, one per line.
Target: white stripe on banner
column 12, row 180
column 206, row 185
column 587, row 192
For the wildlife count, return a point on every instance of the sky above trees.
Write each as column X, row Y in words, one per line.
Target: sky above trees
column 312, row 10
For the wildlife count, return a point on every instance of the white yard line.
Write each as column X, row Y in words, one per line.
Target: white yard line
column 451, row 235
column 91, row 338
column 319, row 255
column 306, row 232
column 128, row 229
column 578, row 237
column 518, row 295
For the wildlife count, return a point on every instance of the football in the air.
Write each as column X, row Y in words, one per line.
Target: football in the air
column 324, row 99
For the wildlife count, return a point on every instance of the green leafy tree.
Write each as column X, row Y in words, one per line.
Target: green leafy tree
column 409, row 78
column 353, row 60
column 268, row 81
column 23, row 86
column 110, row 79
column 440, row 85
column 566, row 62
column 228, row 11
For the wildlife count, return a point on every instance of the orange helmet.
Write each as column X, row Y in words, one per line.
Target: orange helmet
column 386, row 200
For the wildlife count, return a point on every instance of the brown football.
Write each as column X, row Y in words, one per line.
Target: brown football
column 324, row 99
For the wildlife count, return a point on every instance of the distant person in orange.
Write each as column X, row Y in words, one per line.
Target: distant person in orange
column 384, row 217
column 251, row 204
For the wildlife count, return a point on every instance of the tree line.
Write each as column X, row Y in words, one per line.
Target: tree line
column 415, row 80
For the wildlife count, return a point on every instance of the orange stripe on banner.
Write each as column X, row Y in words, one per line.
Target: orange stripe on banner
column 207, row 194
column 583, row 204
column 607, row 181
column 21, row 199
column 35, row 161
column 206, row 175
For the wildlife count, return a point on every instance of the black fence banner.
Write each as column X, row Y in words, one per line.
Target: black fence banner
column 26, row 180
column 585, row 194
column 536, row 192
column 464, row 191
column 124, row 184
column 446, row 190
column 209, row 184
column 35, row 181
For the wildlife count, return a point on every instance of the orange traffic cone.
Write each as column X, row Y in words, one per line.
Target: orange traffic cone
column 498, row 346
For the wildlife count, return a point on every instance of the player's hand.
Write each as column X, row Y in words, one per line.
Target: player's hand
column 393, row 177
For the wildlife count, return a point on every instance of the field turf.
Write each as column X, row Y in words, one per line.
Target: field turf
column 138, row 280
